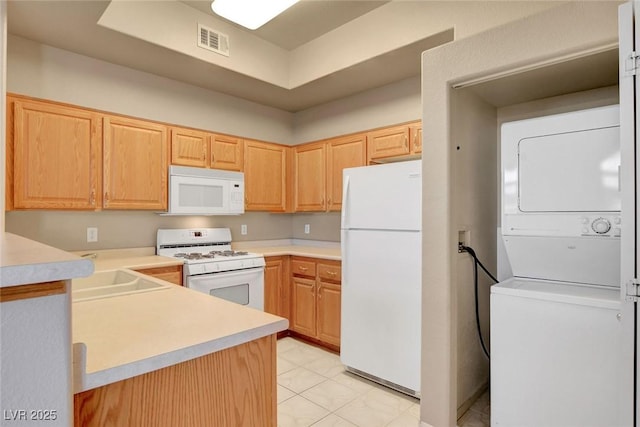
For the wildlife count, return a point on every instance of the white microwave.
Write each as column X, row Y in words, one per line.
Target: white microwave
column 199, row 191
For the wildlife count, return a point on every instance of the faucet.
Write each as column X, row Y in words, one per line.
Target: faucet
column 91, row 255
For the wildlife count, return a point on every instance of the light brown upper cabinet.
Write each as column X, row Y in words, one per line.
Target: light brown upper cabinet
column 310, row 165
column 415, row 137
column 346, row 152
column 265, row 170
column 388, row 142
column 226, row 153
column 57, row 156
column 394, row 141
column 135, row 164
column 318, row 171
column 189, row 147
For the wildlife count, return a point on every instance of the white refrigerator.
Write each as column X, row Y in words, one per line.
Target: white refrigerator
column 381, row 273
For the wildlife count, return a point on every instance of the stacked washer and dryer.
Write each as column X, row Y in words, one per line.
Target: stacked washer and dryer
column 555, row 329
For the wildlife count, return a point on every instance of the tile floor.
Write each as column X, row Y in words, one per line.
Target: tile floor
column 315, row 390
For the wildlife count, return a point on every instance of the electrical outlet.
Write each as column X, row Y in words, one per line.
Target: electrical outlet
column 464, row 239
column 243, row 229
column 307, row 229
column 92, row 234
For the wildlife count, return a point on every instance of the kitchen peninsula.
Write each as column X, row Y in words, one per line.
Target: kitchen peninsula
column 172, row 356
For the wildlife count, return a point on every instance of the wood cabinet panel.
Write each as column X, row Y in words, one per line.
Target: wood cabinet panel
column 277, row 299
column 328, row 323
column 189, row 147
column 135, row 164
column 57, row 152
column 303, row 316
column 303, row 267
column 388, row 142
column 416, row 138
column 227, row 153
column 172, row 274
column 232, row 387
column 315, row 303
column 310, row 167
column 265, row 169
column 346, row 152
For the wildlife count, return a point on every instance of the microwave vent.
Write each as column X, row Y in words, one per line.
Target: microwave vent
column 213, row 40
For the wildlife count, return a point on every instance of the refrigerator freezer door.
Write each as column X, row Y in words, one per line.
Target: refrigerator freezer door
column 383, row 197
column 381, row 304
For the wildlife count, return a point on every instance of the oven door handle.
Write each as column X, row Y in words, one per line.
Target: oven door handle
column 230, row 273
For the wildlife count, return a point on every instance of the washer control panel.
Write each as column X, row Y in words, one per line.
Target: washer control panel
column 605, row 225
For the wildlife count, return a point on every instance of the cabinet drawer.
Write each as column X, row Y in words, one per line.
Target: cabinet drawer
column 303, row 268
column 171, row 274
column 329, row 272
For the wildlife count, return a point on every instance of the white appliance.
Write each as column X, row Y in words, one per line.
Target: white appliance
column 381, row 273
column 212, row 267
column 200, row 191
column 555, row 330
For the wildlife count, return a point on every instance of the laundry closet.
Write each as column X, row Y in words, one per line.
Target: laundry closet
column 491, row 88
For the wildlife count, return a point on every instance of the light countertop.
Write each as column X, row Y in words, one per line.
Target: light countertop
column 24, row 261
column 132, row 258
column 297, row 247
column 129, row 335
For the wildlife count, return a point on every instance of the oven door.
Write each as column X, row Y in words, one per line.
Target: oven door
column 245, row 287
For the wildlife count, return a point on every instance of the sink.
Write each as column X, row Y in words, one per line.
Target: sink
column 112, row 283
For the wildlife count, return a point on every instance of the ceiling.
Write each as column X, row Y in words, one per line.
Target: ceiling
column 304, row 21
column 72, row 25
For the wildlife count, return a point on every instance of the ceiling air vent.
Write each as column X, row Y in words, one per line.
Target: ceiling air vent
column 213, row 40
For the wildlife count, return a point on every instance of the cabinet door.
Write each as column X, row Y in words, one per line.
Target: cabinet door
column 172, row 274
column 347, row 152
column 388, row 142
column 265, row 176
column 276, row 286
column 329, row 312
column 135, row 164
column 57, row 154
column 226, row 153
column 416, row 138
column 189, row 147
column 309, row 172
column 303, row 316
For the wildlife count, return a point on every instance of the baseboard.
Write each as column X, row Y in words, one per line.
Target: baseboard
column 462, row 409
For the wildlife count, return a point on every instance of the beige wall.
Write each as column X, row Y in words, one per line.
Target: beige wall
column 474, row 172
column 47, row 72
column 130, row 229
column 550, row 36
column 394, row 103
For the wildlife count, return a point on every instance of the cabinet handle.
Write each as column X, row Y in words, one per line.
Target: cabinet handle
column 322, row 201
column 106, row 198
column 204, row 156
column 320, row 292
column 332, row 273
column 406, row 142
column 92, row 197
column 213, row 157
column 301, row 268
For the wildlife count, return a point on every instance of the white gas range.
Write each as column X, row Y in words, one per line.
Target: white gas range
column 212, row 267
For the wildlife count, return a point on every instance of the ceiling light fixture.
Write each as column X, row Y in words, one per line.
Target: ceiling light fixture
column 251, row 14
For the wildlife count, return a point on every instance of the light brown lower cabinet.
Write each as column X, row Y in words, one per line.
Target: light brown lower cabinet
column 232, row 387
column 277, row 299
column 172, row 274
column 316, row 295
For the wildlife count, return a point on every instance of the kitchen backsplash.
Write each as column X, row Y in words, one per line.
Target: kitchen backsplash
column 130, row 229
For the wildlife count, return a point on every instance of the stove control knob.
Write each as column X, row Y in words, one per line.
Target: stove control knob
column 601, row 225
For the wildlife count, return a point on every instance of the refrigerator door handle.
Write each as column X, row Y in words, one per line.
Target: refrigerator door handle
column 345, row 207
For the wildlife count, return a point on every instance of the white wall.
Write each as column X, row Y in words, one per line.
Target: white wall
column 36, row 359
column 3, row 106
